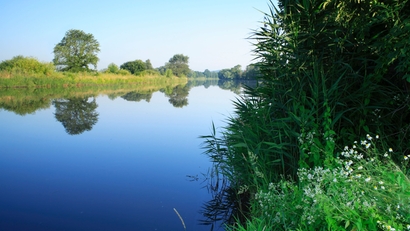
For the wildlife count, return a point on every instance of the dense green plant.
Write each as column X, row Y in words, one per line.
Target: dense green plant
column 330, row 71
column 357, row 193
column 76, row 51
column 20, row 65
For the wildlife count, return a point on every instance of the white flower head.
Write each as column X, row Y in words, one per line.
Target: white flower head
column 369, row 137
column 386, row 155
column 390, row 150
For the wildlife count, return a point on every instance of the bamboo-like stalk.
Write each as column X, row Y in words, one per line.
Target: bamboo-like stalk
column 182, row 220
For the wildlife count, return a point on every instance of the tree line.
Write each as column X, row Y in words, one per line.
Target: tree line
column 77, row 52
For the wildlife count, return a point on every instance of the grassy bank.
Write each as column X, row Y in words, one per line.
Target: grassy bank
column 66, row 79
column 323, row 142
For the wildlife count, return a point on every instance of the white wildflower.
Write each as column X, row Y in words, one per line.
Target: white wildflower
column 385, row 154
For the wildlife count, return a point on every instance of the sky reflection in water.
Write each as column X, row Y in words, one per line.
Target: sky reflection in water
column 127, row 173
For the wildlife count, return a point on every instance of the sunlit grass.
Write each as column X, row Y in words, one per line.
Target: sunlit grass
column 66, row 79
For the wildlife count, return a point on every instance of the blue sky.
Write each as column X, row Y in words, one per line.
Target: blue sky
column 211, row 32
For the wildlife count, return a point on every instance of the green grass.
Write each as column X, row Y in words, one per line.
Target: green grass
column 67, row 79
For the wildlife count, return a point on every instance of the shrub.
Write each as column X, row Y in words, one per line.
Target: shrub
column 123, row 72
column 168, row 73
column 112, row 68
column 27, row 65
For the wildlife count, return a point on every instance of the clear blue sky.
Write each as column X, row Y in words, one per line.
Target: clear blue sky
column 211, row 32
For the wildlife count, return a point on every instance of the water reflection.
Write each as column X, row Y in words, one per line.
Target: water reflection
column 136, row 97
column 226, row 207
column 76, row 114
column 178, row 96
column 128, row 173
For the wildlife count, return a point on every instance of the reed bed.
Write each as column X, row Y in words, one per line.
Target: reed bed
column 323, row 143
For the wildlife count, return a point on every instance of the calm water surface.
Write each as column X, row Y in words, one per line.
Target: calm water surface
column 128, row 170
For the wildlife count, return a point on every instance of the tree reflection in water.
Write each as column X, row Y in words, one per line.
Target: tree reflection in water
column 76, row 114
column 179, row 96
column 136, row 96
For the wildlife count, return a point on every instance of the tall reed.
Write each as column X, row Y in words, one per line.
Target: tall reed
column 331, row 72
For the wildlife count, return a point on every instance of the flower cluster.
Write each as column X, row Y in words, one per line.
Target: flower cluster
column 362, row 180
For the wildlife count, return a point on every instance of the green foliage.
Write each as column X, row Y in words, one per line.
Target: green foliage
column 358, row 193
column 179, row 65
column 20, row 65
column 124, row 72
column 251, row 72
column 225, row 74
column 134, row 67
column 112, row 68
column 330, row 71
column 76, row 51
column 148, row 65
column 168, row 73
column 210, row 74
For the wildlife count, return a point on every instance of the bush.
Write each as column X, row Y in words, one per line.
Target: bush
column 168, row 73
column 124, row 72
column 150, row 72
column 26, row 65
column 112, row 68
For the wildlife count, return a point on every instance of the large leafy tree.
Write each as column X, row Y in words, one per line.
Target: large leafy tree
column 76, row 51
column 179, row 65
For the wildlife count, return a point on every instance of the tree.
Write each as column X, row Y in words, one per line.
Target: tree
column 179, row 65
column 76, row 51
column 135, row 67
column 148, row 64
column 207, row 73
column 225, row 74
column 251, row 72
column 237, row 71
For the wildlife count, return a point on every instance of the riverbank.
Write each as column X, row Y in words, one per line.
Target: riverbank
column 67, row 79
column 322, row 143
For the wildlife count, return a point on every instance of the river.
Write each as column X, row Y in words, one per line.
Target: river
column 123, row 161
